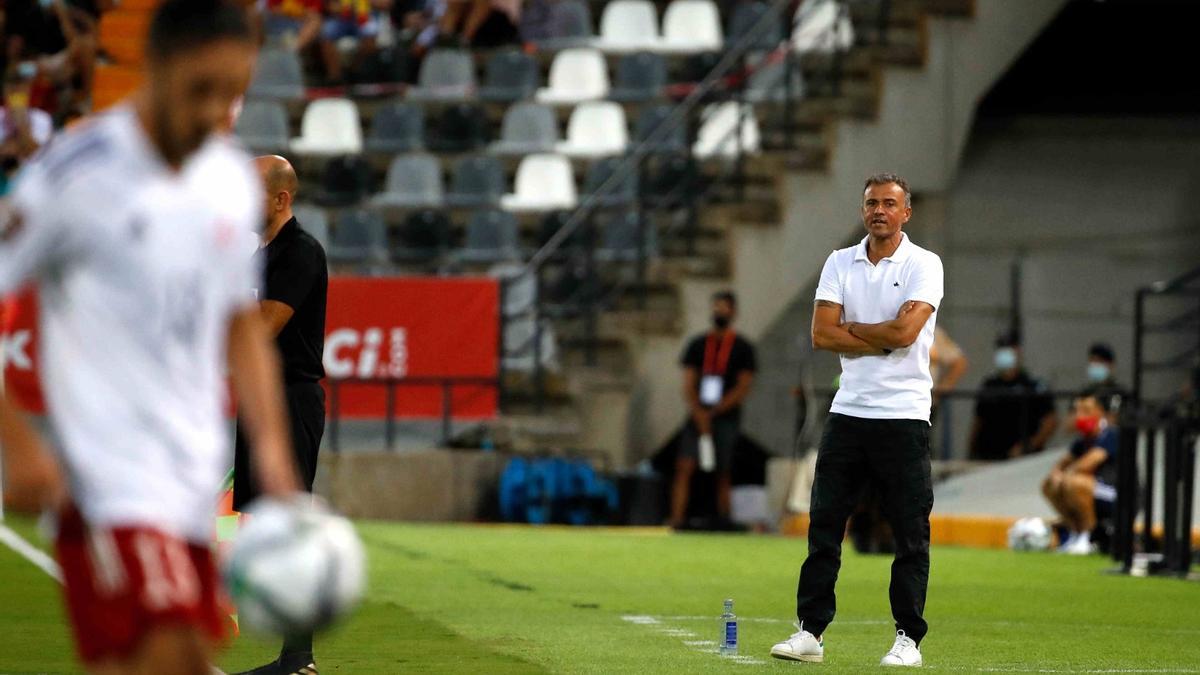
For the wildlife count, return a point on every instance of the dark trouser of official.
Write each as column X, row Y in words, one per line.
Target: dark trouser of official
column 306, row 411
column 893, row 456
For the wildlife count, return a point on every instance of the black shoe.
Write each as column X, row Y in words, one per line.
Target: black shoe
column 298, row 664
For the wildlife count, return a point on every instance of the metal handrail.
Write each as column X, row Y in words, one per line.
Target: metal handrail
column 447, row 383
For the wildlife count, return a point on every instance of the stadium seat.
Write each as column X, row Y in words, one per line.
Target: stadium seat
column 627, row 26
column 576, row 75
column 624, row 193
column 478, row 181
column 821, row 27
column 596, row 129
column 424, row 236
column 691, row 26
column 550, row 224
column 768, row 79
column 619, row 237
column 330, row 127
column 640, row 77
column 359, row 236
column 397, row 127
column 527, row 128
column 277, row 74
column 669, row 181
column 459, row 128
column 344, row 181
column 649, row 120
column 385, row 65
column 544, row 182
column 718, row 134
column 446, row 75
column 314, row 220
column 570, row 25
column 510, row 75
column 491, row 237
column 742, row 20
column 413, row 181
column 263, row 126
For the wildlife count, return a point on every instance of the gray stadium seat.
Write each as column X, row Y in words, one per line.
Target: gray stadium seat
column 413, row 181
column 422, row 238
column 527, row 128
column 277, row 74
column 313, row 220
column 263, row 126
column 491, row 237
column 359, row 236
column 557, row 24
column 397, row 127
column 510, row 75
column 623, row 194
column 619, row 237
column 640, row 77
column 478, row 181
column 743, row 18
column 446, row 75
column 649, row 119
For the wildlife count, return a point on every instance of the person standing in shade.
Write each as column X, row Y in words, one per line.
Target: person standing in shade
column 293, row 306
column 1102, row 379
column 718, row 371
column 1014, row 415
column 875, row 308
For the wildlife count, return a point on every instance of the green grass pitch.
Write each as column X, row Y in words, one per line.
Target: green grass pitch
column 480, row 599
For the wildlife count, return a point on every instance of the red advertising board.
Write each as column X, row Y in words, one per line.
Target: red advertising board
column 18, row 350
column 374, row 328
column 413, row 328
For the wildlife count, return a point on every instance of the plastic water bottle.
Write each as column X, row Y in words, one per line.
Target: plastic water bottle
column 728, row 643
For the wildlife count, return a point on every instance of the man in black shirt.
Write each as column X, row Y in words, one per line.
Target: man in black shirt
column 718, row 372
column 1014, row 415
column 293, row 304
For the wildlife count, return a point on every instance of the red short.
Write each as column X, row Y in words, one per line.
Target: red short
column 123, row 582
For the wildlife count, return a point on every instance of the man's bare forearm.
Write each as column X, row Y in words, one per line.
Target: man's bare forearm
column 883, row 335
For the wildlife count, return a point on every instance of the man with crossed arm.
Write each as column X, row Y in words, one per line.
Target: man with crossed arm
column 875, row 308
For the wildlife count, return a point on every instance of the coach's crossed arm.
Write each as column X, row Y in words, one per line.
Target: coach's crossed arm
column 897, row 333
column 830, row 334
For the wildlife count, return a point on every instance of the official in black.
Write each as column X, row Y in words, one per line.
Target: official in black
column 293, row 304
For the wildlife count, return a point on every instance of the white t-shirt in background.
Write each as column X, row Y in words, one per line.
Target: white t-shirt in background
column 139, row 270
column 896, row 385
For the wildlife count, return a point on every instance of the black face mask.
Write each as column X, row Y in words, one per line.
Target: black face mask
column 721, row 322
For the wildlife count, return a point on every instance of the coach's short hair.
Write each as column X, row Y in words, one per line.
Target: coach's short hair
column 180, row 26
column 887, row 179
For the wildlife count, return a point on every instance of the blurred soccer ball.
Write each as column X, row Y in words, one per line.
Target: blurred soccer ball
column 294, row 567
column 1029, row 534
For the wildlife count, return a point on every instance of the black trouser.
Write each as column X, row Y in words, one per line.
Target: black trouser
column 893, row 457
column 306, row 410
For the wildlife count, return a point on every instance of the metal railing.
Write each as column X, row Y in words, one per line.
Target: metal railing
column 390, row 386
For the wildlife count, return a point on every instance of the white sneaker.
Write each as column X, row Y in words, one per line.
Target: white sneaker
column 903, row 653
column 801, row 646
column 1065, row 547
column 1079, row 545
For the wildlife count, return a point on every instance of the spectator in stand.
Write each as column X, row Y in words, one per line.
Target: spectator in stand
column 1080, row 487
column 718, row 371
column 357, row 19
column 1014, row 415
column 1101, row 364
column 57, row 40
column 22, row 129
column 294, row 23
column 480, row 23
column 947, row 364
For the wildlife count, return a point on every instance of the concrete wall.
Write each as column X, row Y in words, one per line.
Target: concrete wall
column 922, row 124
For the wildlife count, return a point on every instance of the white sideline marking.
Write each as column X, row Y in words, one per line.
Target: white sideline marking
column 841, row 622
column 705, row 646
column 640, row 619
column 30, row 552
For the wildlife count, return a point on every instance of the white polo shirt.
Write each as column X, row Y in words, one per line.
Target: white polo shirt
column 896, row 385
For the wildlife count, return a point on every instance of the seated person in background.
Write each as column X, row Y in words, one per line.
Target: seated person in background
column 1014, row 415
column 480, row 23
column 357, row 19
column 1101, row 365
column 947, row 364
column 22, row 129
column 293, row 23
column 1080, row 487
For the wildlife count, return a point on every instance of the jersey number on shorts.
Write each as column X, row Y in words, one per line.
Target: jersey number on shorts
column 169, row 576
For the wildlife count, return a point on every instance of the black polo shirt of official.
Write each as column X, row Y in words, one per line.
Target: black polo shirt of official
column 296, row 275
column 741, row 359
column 1003, row 421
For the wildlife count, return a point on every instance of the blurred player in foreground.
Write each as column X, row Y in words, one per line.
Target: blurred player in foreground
column 138, row 227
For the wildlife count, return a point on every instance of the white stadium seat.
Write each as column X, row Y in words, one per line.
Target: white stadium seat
column 691, row 26
column 717, row 136
column 822, row 27
column 628, row 26
column 596, row 129
column 330, row 127
column 576, row 75
column 544, row 182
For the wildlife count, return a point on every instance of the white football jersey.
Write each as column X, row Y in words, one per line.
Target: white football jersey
column 139, row 270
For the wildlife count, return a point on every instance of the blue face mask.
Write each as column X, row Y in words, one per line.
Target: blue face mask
column 1006, row 358
column 1098, row 372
